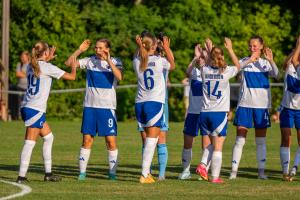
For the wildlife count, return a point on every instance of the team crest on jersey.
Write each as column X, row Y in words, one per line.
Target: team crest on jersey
column 151, row 64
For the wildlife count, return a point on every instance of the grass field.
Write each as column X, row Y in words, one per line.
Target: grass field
column 65, row 152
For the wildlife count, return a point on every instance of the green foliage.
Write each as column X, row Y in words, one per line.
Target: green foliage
column 66, row 24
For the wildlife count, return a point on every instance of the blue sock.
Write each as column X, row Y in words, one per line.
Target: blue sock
column 162, row 153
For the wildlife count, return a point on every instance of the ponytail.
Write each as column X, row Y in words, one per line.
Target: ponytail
column 147, row 43
column 37, row 52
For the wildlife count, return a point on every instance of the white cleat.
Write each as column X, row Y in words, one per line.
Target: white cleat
column 185, row 175
column 262, row 177
column 232, row 176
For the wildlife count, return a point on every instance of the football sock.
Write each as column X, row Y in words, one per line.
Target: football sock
column 207, row 154
column 285, row 159
column 261, row 151
column 216, row 163
column 186, row 159
column 84, row 156
column 47, row 151
column 162, row 152
column 148, row 153
column 113, row 161
column 297, row 157
column 25, row 157
column 237, row 153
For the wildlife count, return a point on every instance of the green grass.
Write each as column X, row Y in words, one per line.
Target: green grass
column 66, row 148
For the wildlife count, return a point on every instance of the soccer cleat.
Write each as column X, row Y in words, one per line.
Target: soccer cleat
column 21, row 180
column 112, row 177
column 293, row 171
column 286, row 177
column 185, row 175
column 81, row 176
column 262, row 177
column 201, row 170
column 217, row 180
column 52, row 178
column 161, row 178
column 232, row 176
column 147, row 180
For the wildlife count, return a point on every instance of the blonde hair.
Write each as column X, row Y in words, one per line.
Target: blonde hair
column 147, row 44
column 217, row 58
column 37, row 52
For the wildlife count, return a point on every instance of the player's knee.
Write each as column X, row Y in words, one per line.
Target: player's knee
column 111, row 145
column 87, row 143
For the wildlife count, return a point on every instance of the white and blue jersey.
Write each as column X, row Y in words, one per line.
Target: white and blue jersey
column 100, row 97
column 255, row 83
column 151, row 91
column 34, row 103
column 290, row 113
column 192, row 120
column 216, row 99
column 255, row 94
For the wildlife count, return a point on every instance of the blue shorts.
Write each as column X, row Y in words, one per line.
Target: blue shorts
column 165, row 120
column 213, row 123
column 192, row 124
column 149, row 114
column 33, row 118
column 99, row 120
column 289, row 117
column 246, row 117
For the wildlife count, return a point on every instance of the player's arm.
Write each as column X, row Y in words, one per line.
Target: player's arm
column 115, row 70
column 19, row 73
column 295, row 59
column 169, row 53
column 71, row 76
column 82, row 48
column 234, row 59
column 288, row 60
column 269, row 56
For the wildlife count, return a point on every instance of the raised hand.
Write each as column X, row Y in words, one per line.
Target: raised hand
column 85, row 45
column 268, row 54
column 138, row 40
column 166, row 42
column 227, row 43
column 73, row 62
column 208, row 45
column 51, row 55
column 198, row 50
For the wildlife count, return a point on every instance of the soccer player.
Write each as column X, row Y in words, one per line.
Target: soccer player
column 290, row 113
column 39, row 75
column 192, row 120
column 149, row 69
column 99, row 118
column 216, row 99
column 254, row 101
column 162, row 150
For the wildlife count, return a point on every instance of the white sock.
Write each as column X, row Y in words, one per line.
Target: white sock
column 207, row 154
column 84, row 156
column 261, row 151
column 297, row 157
column 148, row 153
column 216, row 163
column 25, row 157
column 47, row 149
column 285, row 159
column 186, row 159
column 113, row 161
column 237, row 153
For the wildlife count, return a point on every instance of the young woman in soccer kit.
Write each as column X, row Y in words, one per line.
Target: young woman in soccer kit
column 99, row 118
column 254, row 102
column 208, row 105
column 149, row 69
column 290, row 113
column 39, row 75
column 162, row 150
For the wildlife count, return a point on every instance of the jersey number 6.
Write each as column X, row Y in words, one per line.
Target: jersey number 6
column 148, row 79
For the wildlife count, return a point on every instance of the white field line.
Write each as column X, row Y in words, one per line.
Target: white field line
column 25, row 190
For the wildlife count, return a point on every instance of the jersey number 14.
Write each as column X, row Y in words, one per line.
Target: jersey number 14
column 215, row 92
